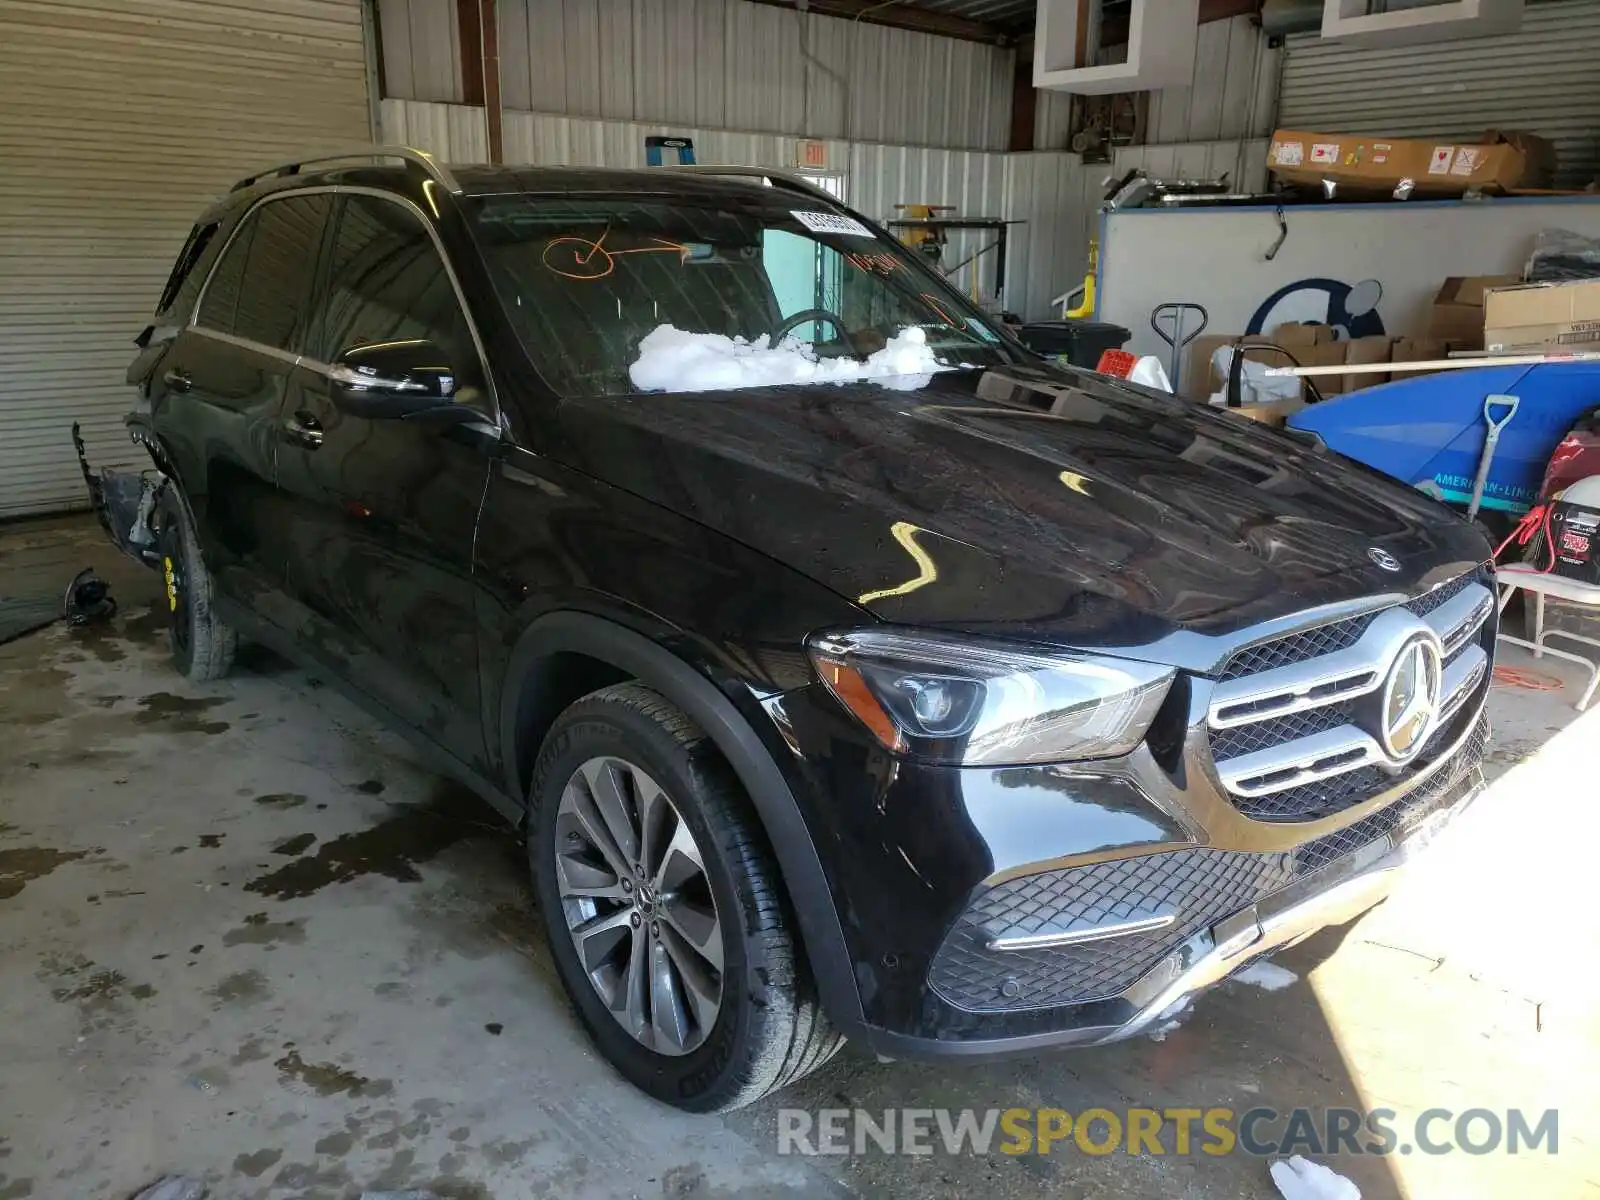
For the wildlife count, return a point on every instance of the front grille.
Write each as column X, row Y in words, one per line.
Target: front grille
column 1247, row 739
column 1428, row 601
column 1308, row 643
column 1293, row 779
column 1200, row 886
column 1413, row 807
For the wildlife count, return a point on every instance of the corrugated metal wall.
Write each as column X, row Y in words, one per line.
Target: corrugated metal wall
column 877, row 176
column 1235, row 82
column 119, row 121
column 1544, row 79
column 716, row 64
column 421, row 45
column 1057, row 196
column 1054, row 194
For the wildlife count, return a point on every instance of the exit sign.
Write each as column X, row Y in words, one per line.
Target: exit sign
column 812, row 154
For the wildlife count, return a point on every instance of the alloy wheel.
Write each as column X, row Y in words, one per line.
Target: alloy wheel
column 638, row 905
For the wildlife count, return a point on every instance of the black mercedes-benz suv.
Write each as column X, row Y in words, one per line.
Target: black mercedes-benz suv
column 850, row 670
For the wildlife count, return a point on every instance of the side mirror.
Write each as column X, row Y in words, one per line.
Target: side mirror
column 391, row 380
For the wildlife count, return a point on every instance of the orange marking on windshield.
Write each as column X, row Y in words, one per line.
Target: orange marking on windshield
column 595, row 261
column 934, row 304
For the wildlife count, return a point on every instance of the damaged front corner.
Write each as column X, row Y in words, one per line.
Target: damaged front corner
column 124, row 502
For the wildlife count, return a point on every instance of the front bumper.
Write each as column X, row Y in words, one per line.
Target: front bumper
column 1330, row 881
column 124, row 502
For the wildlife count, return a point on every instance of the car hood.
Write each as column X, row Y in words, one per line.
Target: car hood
column 1038, row 503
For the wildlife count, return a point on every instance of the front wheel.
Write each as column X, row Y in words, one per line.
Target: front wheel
column 202, row 645
column 666, row 918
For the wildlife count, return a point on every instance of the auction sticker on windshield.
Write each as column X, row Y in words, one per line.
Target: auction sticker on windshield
column 826, row 222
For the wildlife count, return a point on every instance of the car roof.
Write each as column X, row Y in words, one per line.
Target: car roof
column 480, row 179
column 483, row 180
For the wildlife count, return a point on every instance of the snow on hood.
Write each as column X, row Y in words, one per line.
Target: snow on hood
column 673, row 360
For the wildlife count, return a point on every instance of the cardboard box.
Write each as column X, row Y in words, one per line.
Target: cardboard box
column 1543, row 316
column 1274, row 414
column 1378, row 348
column 1293, row 335
column 1457, row 313
column 1408, row 349
column 1362, row 164
column 1200, row 379
column 1325, row 354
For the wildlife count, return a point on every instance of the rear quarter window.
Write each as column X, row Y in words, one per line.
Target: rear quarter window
column 183, row 284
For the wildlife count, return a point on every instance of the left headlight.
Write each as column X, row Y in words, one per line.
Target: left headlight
column 961, row 700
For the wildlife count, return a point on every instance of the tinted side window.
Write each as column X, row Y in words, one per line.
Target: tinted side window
column 275, row 298
column 222, row 292
column 386, row 282
column 183, row 282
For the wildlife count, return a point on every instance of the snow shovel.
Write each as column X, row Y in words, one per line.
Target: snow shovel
column 1490, row 441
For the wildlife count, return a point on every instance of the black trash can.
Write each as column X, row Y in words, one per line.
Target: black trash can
column 1081, row 343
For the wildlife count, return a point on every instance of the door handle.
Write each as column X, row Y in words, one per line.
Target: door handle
column 303, row 429
column 177, row 380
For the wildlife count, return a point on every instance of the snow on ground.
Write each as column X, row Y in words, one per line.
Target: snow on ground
column 1266, row 975
column 673, row 360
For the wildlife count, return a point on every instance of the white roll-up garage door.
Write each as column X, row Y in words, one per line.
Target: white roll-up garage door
column 119, row 121
column 1543, row 79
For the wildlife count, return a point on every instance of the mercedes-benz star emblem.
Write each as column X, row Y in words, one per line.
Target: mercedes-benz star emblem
column 1383, row 558
column 1411, row 697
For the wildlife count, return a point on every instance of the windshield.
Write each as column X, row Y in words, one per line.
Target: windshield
column 730, row 292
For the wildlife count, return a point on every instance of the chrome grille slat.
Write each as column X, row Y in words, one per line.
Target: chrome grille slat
column 1315, row 682
column 1287, row 735
column 1460, row 617
column 1304, row 760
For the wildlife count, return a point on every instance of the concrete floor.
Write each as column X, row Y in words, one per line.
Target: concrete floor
column 244, row 935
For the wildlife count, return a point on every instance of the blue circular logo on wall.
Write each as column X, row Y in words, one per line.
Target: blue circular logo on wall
column 1352, row 308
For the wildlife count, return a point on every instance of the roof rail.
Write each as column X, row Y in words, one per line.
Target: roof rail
column 421, row 158
column 786, row 178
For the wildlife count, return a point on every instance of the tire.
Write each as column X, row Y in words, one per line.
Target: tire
column 768, row 1029
column 202, row 646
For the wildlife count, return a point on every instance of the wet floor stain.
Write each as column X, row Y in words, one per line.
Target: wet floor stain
column 242, row 987
column 281, row 800
column 336, row 1144
column 179, row 714
column 21, row 866
column 252, row 1050
column 392, row 848
column 147, row 627
column 291, row 847
column 257, row 930
column 310, row 1179
column 329, row 1079
column 99, row 986
column 254, row 1164
column 104, row 642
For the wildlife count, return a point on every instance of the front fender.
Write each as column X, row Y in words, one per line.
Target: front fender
column 716, row 714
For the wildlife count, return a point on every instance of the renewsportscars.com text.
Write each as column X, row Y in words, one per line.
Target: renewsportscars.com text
column 1265, row 1132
